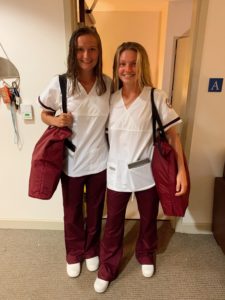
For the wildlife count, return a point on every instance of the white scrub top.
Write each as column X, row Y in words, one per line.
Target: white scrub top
column 90, row 114
column 131, row 141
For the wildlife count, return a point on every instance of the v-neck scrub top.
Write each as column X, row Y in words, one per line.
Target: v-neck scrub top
column 90, row 114
column 131, row 140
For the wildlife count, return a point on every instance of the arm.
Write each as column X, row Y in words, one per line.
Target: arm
column 63, row 120
column 174, row 140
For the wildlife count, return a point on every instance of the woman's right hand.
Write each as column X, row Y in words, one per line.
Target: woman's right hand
column 63, row 120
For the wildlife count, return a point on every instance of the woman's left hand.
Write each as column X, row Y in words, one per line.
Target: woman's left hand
column 182, row 184
column 174, row 140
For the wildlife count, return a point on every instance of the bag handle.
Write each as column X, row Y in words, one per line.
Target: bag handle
column 156, row 119
column 63, row 87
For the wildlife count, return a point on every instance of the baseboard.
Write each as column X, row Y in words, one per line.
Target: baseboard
column 31, row 224
column 192, row 228
column 178, row 225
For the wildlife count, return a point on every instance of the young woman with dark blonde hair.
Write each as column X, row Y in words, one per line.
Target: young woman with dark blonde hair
column 129, row 162
column 88, row 92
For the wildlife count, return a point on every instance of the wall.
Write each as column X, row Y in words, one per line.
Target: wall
column 142, row 27
column 178, row 24
column 205, row 137
column 33, row 35
column 162, row 43
column 156, row 24
column 34, row 39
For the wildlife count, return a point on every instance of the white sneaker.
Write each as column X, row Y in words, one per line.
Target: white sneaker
column 100, row 285
column 73, row 270
column 92, row 263
column 147, row 270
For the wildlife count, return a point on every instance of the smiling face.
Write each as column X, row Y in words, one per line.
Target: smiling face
column 87, row 52
column 127, row 68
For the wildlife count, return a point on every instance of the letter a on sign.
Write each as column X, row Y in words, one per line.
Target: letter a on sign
column 215, row 84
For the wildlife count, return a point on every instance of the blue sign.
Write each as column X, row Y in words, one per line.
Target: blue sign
column 215, row 85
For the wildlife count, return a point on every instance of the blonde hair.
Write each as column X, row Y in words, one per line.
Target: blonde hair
column 142, row 64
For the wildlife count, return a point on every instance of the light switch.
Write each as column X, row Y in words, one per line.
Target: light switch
column 27, row 111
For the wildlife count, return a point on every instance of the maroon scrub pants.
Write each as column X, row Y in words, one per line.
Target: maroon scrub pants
column 111, row 249
column 82, row 233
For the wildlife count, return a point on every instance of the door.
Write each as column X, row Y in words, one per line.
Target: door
column 181, row 79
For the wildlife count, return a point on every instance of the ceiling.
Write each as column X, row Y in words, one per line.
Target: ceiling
column 129, row 5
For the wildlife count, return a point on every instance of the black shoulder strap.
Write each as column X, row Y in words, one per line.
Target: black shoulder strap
column 156, row 119
column 63, row 85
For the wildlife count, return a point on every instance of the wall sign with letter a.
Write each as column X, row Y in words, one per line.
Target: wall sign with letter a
column 215, row 85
